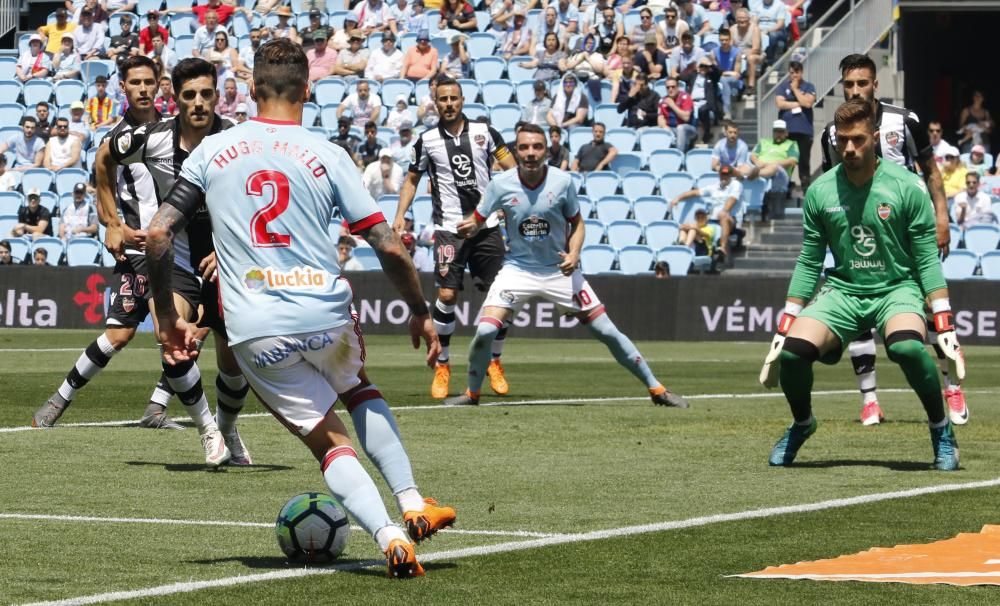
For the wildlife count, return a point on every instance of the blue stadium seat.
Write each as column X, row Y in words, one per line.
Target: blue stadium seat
column 698, row 161
column 496, row 92
column 329, row 90
column 597, row 258
column 310, row 113
column 19, row 247
column 91, row 69
column 631, row 19
column 53, row 246
column 36, row 91
column 67, row 178
column 144, row 6
column 990, row 264
column 593, row 232
column 504, row 115
column 654, row 139
column 473, row 111
column 83, row 252
column 635, row 259
column 659, row 234
column 577, row 180
column 981, row 239
column 392, row 88
column 607, row 114
column 328, row 116
column 368, row 259
column 7, row 223
column 623, row 139
column 50, row 201
column 481, row 45
column 374, row 86
column 753, row 194
column 10, row 92
column 684, row 212
column 674, row 184
column 470, row 89
column 624, row 232
column 68, row 91
column 517, row 73
column 647, row 209
column 183, row 44
column 716, row 19
column 10, row 203
column 601, row 183
column 578, row 137
column 336, row 18
column 37, row 178
column 678, row 258
column 956, row 237
column 586, row 206
column 11, row 113
column 637, row 184
column 184, row 24
column 663, row 161
column 421, row 209
column 8, row 68
column 612, row 208
column 407, row 41
column 388, row 203
column 524, row 92
column 626, row 162
column 489, row 68
column 706, row 180
column 960, row 264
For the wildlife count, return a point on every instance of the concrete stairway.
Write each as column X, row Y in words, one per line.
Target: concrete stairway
column 771, row 249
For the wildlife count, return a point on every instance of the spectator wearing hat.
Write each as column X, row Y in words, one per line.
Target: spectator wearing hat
column 321, row 58
column 101, row 107
column 953, row 172
column 402, row 147
column 28, row 147
column 457, row 63
column 385, row 62
column 399, row 113
column 415, row 20
column 977, row 160
column 352, row 61
column 641, row 106
column 88, row 37
column 776, row 157
column 33, row 63
column 722, row 197
column 345, row 139
column 795, row 106
column 383, row 176
column 204, row 36
column 78, row 126
column 79, row 218
column 421, row 60
column 66, row 62
column 33, row 220
column 146, row 33
column 559, row 154
column 315, row 26
column 126, row 42
column 458, row 15
column 62, row 150
column 223, row 72
column 649, row 58
column 284, row 28
column 374, row 16
column 230, row 98
column 242, row 113
column 675, row 113
column 536, row 112
column 54, row 33
column 9, row 179
column 166, row 56
column 517, row 39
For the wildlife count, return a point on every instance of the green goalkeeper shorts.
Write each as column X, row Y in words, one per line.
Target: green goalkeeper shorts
column 849, row 316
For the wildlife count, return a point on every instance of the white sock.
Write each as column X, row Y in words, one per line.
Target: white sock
column 351, row 485
column 409, row 500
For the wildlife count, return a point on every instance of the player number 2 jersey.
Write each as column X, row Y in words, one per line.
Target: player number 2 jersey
column 271, row 188
column 881, row 235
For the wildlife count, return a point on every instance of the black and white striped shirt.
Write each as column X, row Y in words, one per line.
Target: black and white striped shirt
column 157, row 147
column 459, row 168
column 136, row 192
column 902, row 139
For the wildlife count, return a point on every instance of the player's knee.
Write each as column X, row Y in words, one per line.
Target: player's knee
column 905, row 346
column 447, row 296
column 120, row 337
column 798, row 352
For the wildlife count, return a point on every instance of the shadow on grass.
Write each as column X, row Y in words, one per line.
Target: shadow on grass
column 893, row 465
column 366, row 567
column 182, row 467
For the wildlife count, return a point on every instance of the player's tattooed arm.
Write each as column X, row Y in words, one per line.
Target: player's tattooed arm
column 166, row 223
column 397, row 264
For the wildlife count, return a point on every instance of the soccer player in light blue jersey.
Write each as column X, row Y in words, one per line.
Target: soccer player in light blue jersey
column 271, row 188
column 542, row 214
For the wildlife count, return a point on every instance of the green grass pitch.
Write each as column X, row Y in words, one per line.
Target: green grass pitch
column 596, row 456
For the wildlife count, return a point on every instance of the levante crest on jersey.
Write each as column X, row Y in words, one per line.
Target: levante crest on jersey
column 884, row 210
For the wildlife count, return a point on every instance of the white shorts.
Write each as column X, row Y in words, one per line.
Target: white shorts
column 513, row 287
column 299, row 377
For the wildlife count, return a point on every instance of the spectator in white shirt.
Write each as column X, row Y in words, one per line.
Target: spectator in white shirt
column 66, row 62
column 384, row 176
column 723, row 198
column 62, row 150
column 79, row 219
column 385, row 63
column 971, row 206
column 89, row 36
column 362, row 105
column 204, row 37
column 33, row 63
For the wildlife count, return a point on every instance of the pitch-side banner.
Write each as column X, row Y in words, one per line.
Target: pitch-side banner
column 696, row 308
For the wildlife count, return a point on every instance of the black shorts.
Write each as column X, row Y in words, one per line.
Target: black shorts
column 130, row 294
column 483, row 254
column 211, row 315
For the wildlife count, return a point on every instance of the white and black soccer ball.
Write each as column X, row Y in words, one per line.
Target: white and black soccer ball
column 312, row 528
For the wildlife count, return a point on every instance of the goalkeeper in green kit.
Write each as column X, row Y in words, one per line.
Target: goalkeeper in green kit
column 877, row 219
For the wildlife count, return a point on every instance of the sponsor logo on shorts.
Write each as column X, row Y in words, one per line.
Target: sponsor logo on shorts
column 443, row 269
column 283, row 350
column 297, row 278
column 884, row 210
column 507, row 297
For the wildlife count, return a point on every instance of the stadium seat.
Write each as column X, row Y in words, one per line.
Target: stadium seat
column 684, row 211
column 960, row 264
column 336, row 18
column 407, row 41
column 626, row 162
column 50, row 201
column 36, row 91
column 623, row 139
column 578, row 137
column 10, row 203
column 753, row 194
column 421, row 209
column 37, row 178
column 593, row 232
column 586, row 206
column 392, row 88
column 310, row 112
column 388, row 204
column 368, row 259
column 68, row 91
column 83, row 252
column 981, row 239
column 481, row 44
column 144, row 6
column 655, row 139
column 674, row 184
column 990, row 264
column 7, row 223
column 524, row 92
column 183, row 44
column 716, row 19
column 329, row 90
column 489, row 68
column 473, row 111
column 496, row 92
column 601, row 183
column 597, row 258
column 374, row 86
column 504, row 115
column 91, row 69
column 635, row 259
column 11, row 113
column 956, row 237
column 698, row 161
column 647, row 209
column 607, row 114
column 659, row 234
column 518, row 73
column 10, row 92
column 706, row 180
column 623, row 233
column 470, row 90
column 53, row 246
column 678, row 258
column 183, row 24
column 663, row 161
column 637, row 184
column 67, row 178
column 8, row 68
column 328, row 116
column 612, row 208
column 19, row 247
column 577, row 180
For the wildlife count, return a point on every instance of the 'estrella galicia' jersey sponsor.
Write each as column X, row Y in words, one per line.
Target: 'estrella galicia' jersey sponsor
column 902, row 139
column 459, row 168
column 157, row 147
column 135, row 192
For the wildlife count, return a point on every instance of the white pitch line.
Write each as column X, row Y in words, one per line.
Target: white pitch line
column 175, row 522
column 454, row 554
column 502, row 403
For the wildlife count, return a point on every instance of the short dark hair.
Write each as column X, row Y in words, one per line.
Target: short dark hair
column 26, row 119
column 661, row 266
column 345, row 240
column 5, row 244
column 62, row 119
column 601, row 124
column 191, row 68
column 795, row 66
column 730, row 124
column 555, row 129
column 854, row 111
column 369, row 125
column 857, row 61
column 724, row 31
column 41, row 103
column 687, row 37
column 530, row 127
column 137, row 61
column 446, row 80
column 280, row 70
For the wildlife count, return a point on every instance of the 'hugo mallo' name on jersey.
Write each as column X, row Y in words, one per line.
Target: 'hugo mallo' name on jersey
column 537, row 219
column 271, row 188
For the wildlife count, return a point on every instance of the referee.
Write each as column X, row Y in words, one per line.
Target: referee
column 457, row 155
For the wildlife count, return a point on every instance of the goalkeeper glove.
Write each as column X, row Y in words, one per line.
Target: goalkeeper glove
column 947, row 340
column 769, row 373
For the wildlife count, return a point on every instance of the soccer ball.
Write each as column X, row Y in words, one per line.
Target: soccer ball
column 312, row 528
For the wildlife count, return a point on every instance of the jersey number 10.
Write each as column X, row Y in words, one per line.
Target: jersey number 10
column 259, row 236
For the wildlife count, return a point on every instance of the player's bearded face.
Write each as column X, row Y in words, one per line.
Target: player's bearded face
column 856, row 145
column 196, row 102
column 449, row 102
column 140, row 87
column 531, row 151
column 859, row 83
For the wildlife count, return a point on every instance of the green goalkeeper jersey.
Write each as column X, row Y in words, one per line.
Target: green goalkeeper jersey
column 881, row 234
